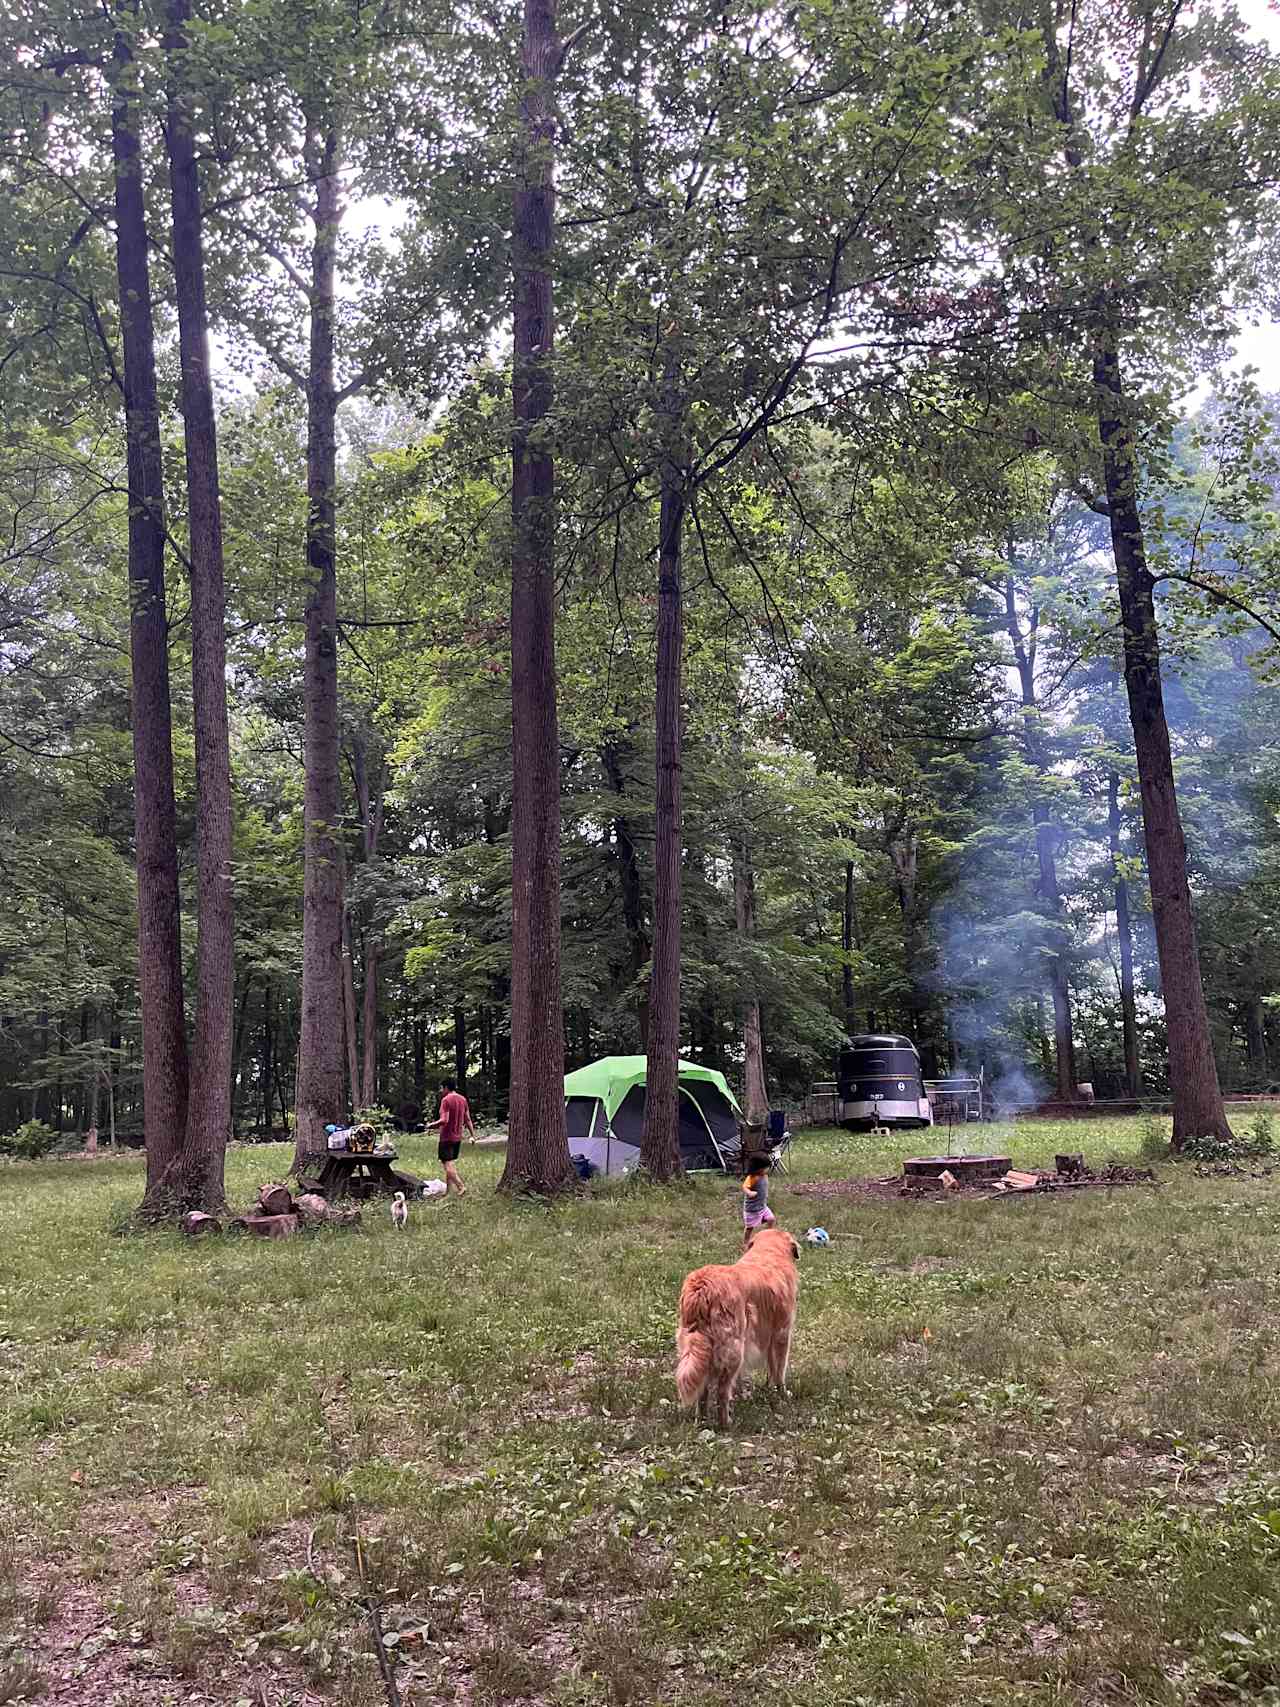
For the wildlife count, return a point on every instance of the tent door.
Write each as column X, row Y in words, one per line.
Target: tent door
column 706, row 1127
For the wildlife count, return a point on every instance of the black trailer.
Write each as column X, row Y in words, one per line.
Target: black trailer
column 879, row 1084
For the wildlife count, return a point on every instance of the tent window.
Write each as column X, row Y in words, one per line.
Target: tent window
column 628, row 1117
column 578, row 1115
column 716, row 1109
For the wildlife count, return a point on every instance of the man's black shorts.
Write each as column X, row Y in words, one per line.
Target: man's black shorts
column 448, row 1152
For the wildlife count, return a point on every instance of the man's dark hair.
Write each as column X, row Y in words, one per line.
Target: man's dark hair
column 449, row 1084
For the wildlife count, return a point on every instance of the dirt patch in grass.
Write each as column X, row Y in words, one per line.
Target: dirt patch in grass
column 894, row 1188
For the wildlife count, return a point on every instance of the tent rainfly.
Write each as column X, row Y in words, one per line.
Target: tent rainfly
column 604, row 1114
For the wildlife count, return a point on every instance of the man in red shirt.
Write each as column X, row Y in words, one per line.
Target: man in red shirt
column 454, row 1115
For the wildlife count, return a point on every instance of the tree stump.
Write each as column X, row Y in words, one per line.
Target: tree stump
column 275, row 1200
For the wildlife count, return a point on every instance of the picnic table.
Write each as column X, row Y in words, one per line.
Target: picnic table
column 363, row 1173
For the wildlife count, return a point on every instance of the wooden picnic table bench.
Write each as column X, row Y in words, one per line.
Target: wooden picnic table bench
column 363, row 1173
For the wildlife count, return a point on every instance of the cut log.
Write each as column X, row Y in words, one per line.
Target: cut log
column 194, row 1224
column 269, row 1226
column 275, row 1200
column 949, row 1180
column 313, row 1207
column 1016, row 1180
column 1070, row 1167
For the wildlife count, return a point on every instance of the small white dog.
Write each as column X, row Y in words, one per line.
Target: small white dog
column 400, row 1211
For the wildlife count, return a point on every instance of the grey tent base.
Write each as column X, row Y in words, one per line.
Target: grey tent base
column 614, row 1156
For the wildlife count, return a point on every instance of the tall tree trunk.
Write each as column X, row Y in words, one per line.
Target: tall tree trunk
column 1124, row 935
column 419, row 1063
column 1193, row 1072
column 460, row 1047
column 1046, row 833
column 1255, row 1034
column 320, row 1097
column 237, row 1052
column 904, row 852
column 349, row 1010
column 164, row 1038
column 198, row 1180
column 501, row 1066
column 537, row 1148
column 755, row 1096
column 369, row 1025
column 94, row 1086
column 268, row 1049
column 660, row 1139
column 847, row 936
column 369, row 798
column 612, row 757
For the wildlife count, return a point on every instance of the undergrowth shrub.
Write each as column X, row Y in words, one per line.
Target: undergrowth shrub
column 32, row 1140
column 1153, row 1137
column 1249, row 1146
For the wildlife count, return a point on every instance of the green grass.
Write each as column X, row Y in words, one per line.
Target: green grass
column 1068, row 1490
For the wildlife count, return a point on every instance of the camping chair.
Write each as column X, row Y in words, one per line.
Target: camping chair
column 779, row 1139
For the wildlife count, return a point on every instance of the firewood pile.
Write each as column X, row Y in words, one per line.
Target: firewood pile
column 278, row 1214
column 1070, row 1173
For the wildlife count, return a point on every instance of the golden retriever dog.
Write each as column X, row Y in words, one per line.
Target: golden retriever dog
column 736, row 1314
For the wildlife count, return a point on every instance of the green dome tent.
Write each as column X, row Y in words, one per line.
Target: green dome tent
column 604, row 1113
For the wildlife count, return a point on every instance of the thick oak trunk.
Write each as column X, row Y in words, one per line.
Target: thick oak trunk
column 1124, row 936
column 660, row 1140
column 197, row 1180
column 164, row 1038
column 320, row 1098
column 1193, row 1073
column 537, row 1147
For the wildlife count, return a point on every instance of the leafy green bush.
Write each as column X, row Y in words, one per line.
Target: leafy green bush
column 32, row 1140
column 378, row 1117
column 1249, row 1146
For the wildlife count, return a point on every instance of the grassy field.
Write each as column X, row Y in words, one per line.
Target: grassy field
column 1031, row 1452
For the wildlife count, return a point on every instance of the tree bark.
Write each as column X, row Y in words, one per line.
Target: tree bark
column 164, row 1038
column 1046, row 834
column 755, row 1096
column 1124, row 935
column 537, row 1147
column 1193, row 1075
column 197, row 1181
column 660, row 1139
column 320, row 1097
